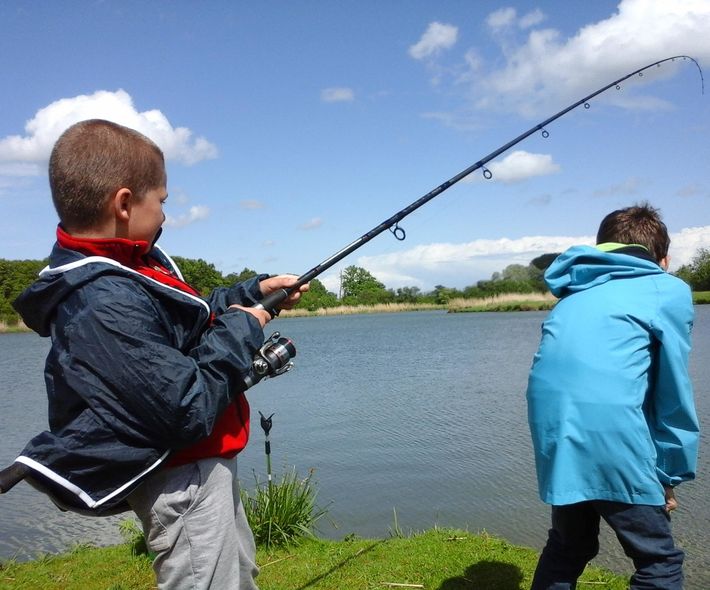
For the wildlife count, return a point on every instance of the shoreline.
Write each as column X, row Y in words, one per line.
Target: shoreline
column 499, row 303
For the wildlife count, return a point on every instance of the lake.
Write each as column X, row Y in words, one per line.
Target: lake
column 415, row 419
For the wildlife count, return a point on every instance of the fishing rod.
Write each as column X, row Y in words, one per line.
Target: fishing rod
column 272, row 301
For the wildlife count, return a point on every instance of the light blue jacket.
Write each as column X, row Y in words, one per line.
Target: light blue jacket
column 610, row 402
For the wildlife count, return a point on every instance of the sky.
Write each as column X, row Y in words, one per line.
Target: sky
column 290, row 129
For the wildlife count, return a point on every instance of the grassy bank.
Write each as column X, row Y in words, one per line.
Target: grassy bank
column 433, row 560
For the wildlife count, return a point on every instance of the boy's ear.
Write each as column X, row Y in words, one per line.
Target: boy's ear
column 665, row 262
column 122, row 204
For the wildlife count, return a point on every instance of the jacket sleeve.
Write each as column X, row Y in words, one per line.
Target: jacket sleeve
column 672, row 418
column 120, row 351
column 246, row 294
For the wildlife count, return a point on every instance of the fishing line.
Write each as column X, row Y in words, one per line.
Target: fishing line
column 271, row 302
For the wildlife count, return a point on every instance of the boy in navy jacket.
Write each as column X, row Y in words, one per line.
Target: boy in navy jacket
column 145, row 378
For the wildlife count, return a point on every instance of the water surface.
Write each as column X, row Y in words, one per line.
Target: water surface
column 420, row 413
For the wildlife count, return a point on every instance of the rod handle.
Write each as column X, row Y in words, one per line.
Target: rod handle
column 272, row 301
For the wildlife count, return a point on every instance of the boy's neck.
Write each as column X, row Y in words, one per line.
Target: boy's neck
column 127, row 252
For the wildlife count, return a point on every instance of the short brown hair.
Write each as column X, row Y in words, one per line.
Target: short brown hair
column 640, row 224
column 91, row 161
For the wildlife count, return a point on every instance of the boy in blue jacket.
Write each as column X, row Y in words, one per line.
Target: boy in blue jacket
column 610, row 402
column 145, row 378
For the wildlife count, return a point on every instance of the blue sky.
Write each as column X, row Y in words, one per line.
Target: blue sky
column 292, row 128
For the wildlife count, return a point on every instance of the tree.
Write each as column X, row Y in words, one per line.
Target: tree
column 443, row 295
column 359, row 287
column 232, row 278
column 697, row 273
column 544, row 260
column 199, row 274
column 317, row 297
column 15, row 277
column 407, row 294
column 516, row 273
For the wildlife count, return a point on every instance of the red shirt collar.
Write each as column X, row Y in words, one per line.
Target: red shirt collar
column 127, row 252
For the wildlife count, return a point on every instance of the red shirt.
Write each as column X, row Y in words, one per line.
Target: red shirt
column 231, row 430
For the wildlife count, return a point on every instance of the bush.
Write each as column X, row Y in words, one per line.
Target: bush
column 282, row 513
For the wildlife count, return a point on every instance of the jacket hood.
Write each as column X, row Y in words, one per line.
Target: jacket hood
column 69, row 270
column 583, row 267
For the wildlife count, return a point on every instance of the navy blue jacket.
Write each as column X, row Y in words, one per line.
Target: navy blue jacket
column 136, row 370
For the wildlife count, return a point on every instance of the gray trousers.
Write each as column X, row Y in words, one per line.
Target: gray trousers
column 194, row 521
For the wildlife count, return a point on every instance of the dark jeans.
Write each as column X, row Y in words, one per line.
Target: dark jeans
column 643, row 531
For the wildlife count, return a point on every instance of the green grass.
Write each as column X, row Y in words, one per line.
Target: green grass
column 701, row 297
column 82, row 568
column 439, row 559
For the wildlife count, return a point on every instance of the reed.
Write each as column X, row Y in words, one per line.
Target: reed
column 282, row 513
column 504, row 302
column 19, row 326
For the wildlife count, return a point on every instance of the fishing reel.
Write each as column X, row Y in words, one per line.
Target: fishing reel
column 273, row 359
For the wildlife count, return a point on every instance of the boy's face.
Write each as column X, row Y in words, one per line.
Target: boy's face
column 147, row 215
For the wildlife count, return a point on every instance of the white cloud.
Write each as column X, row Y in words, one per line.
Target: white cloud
column 691, row 190
column 505, row 18
column 251, row 204
column 195, row 213
column 628, row 187
column 41, row 132
column 337, row 94
column 531, row 19
column 18, row 169
column 501, row 18
column 521, row 165
column 436, row 38
column 686, row 243
column 461, row 265
column 314, row 223
column 545, row 69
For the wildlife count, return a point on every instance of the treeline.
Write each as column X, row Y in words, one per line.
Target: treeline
column 15, row 276
column 357, row 285
column 697, row 273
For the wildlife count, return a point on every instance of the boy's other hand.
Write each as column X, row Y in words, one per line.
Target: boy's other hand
column 277, row 282
column 671, row 502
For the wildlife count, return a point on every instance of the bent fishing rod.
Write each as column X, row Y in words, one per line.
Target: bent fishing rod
column 272, row 301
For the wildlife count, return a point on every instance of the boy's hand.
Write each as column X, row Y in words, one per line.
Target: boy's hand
column 272, row 284
column 261, row 315
column 671, row 502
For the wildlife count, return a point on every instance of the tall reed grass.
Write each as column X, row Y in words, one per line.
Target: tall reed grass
column 504, row 302
column 281, row 513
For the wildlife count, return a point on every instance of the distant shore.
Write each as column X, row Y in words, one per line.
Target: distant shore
column 505, row 302
column 498, row 303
